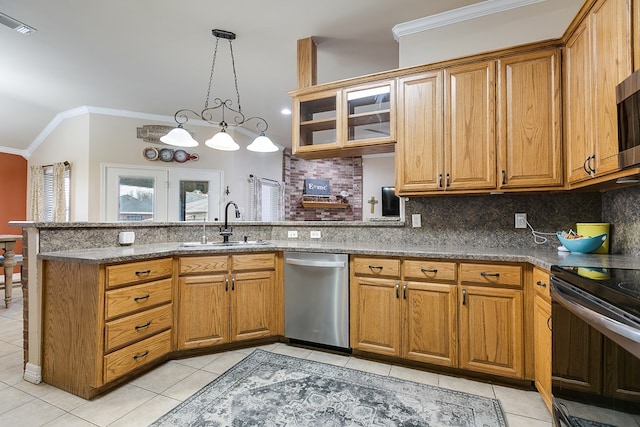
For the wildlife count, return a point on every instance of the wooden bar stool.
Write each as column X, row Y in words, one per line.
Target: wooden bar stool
column 9, row 260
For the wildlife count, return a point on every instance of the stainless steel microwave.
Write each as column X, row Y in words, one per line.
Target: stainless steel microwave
column 628, row 100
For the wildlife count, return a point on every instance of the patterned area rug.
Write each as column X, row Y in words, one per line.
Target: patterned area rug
column 268, row 389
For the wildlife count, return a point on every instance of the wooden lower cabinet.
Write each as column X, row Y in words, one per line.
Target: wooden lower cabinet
column 104, row 322
column 413, row 319
column 239, row 301
column 542, row 349
column 491, row 330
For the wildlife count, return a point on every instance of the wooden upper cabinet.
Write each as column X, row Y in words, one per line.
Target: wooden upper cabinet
column 598, row 56
column 529, row 122
column 345, row 121
column 419, row 150
column 469, row 128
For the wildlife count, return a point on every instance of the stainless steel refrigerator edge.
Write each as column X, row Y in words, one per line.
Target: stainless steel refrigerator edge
column 316, row 298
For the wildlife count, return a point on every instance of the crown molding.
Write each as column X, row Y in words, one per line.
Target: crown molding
column 466, row 13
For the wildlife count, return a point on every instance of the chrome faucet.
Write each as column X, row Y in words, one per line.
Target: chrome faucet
column 226, row 231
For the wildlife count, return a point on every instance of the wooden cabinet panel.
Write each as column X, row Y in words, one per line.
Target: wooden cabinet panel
column 137, row 326
column 136, row 355
column 491, row 274
column 429, row 270
column 491, row 331
column 419, row 156
column 430, row 326
column 204, row 311
column 542, row 284
column 542, row 347
column 377, row 323
column 138, row 297
column 469, row 130
column 254, row 262
column 623, row 381
column 133, row 272
column 252, row 305
column 204, row 264
column 380, row 267
column 529, row 120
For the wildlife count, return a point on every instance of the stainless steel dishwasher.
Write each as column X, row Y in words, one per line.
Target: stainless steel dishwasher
column 316, row 298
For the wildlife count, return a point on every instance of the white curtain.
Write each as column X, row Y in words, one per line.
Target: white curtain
column 266, row 199
column 59, row 200
column 50, row 192
column 37, row 211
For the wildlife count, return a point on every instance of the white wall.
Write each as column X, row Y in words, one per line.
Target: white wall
column 377, row 172
column 540, row 21
column 90, row 140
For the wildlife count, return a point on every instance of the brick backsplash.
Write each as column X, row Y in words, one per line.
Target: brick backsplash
column 344, row 174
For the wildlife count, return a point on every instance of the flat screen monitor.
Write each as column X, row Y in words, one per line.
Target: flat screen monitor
column 390, row 202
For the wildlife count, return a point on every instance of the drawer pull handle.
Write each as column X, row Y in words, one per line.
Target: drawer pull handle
column 376, row 267
column 142, row 273
column 146, row 325
column 136, row 299
column 485, row 274
column 549, row 323
column 141, row 355
column 541, row 284
column 429, row 270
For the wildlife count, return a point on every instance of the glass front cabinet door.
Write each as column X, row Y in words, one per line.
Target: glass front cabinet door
column 345, row 121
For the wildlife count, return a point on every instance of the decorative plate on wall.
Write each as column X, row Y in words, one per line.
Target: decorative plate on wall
column 150, row 153
column 165, row 154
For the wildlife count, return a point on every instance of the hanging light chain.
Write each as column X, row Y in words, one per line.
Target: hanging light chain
column 235, row 76
column 213, row 66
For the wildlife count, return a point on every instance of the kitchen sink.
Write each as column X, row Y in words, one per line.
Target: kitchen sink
column 244, row 243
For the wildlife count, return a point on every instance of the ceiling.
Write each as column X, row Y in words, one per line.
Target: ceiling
column 154, row 56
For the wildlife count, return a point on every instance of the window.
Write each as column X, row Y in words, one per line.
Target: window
column 49, row 193
column 266, row 199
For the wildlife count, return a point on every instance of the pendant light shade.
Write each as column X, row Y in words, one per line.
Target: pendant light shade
column 179, row 137
column 262, row 144
column 215, row 114
column 222, row 141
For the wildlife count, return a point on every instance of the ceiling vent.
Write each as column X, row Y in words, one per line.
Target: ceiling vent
column 14, row 24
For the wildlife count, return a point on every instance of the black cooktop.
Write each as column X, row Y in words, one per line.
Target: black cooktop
column 618, row 286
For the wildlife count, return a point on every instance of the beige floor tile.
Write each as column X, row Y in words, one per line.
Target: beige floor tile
column 416, row 375
column 190, row 385
column 520, row 421
column 52, row 395
column 163, row 377
column 468, row 386
column 224, row 362
column 11, row 398
column 110, row 407
column 7, row 349
column 69, row 420
column 33, row 413
column 369, row 366
column 147, row 413
column 329, row 358
column 12, row 375
column 289, row 350
column 198, row 361
column 522, row 402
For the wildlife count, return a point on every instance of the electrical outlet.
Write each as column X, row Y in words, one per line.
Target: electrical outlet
column 416, row 220
column 521, row 220
column 315, row 234
column 292, row 234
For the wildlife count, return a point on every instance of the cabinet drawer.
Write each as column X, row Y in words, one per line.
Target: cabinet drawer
column 204, row 264
column 425, row 270
column 376, row 267
column 254, row 262
column 139, row 354
column 491, row 274
column 138, row 271
column 137, row 326
column 541, row 283
column 135, row 298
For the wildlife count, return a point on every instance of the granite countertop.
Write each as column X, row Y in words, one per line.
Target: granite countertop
column 543, row 258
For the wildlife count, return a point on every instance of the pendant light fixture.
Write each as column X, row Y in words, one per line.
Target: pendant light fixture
column 215, row 114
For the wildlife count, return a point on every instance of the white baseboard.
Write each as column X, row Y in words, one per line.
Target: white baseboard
column 33, row 373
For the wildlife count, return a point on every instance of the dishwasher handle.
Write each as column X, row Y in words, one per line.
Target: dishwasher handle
column 315, row 263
